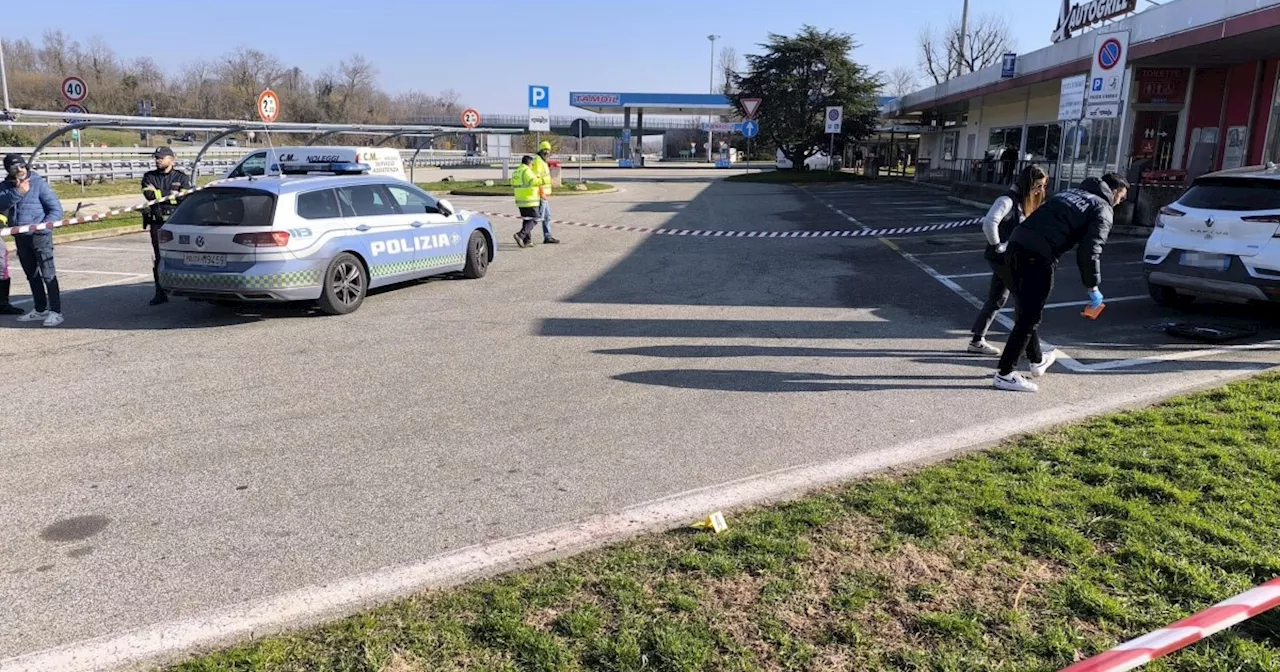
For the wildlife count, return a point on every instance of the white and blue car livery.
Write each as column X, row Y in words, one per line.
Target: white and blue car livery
column 327, row 239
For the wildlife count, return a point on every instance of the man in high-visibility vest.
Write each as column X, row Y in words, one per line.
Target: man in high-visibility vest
column 543, row 171
column 525, row 185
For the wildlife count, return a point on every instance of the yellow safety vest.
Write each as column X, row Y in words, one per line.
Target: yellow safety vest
column 544, row 173
column 525, row 185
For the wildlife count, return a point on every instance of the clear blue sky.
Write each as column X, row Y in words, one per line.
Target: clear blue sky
column 491, row 51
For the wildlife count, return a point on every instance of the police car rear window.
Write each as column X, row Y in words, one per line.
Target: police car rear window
column 225, row 207
column 1233, row 193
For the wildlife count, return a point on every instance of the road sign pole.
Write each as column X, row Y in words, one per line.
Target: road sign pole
column 831, row 154
column 579, row 155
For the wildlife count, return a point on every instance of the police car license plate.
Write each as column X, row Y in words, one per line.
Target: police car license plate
column 204, row 259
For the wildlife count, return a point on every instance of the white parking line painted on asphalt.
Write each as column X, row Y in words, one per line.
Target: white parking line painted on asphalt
column 1070, row 304
column 967, row 275
column 79, row 270
column 101, row 248
column 168, row 642
column 121, row 281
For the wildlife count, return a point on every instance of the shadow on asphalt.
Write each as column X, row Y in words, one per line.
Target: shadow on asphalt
column 784, row 381
column 125, row 308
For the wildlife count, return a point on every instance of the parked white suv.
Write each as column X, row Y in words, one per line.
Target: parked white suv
column 1218, row 240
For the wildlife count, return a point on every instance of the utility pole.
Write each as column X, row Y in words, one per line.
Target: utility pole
column 4, row 80
column 964, row 30
column 711, row 88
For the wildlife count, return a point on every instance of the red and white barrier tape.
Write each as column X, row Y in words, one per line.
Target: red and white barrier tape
column 31, row 228
column 841, row 233
column 1137, row 652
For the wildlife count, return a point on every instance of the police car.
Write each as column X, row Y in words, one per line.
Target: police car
column 324, row 238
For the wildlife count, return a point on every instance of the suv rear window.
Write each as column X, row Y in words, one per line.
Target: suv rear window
column 1233, row 193
column 225, row 207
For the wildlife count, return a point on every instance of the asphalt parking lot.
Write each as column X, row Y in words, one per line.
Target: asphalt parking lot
column 1131, row 332
column 167, row 463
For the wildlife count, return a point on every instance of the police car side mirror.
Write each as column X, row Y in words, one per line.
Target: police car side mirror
column 446, row 208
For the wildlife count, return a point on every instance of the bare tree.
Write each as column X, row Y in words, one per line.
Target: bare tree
column 728, row 66
column 989, row 37
column 901, row 81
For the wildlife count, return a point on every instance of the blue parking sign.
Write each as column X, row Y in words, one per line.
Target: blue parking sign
column 1097, row 83
column 539, row 97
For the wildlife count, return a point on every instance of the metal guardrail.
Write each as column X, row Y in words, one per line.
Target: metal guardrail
column 517, row 121
column 96, row 164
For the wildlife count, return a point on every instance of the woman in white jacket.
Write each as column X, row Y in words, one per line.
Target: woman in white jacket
column 1007, row 212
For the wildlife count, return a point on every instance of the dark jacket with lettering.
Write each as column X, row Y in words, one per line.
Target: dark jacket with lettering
column 1079, row 218
column 165, row 183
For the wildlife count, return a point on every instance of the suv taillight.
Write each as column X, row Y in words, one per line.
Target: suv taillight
column 262, row 239
column 1167, row 211
column 166, row 236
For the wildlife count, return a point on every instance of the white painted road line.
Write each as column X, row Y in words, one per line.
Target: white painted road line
column 984, row 274
column 122, row 281
column 168, row 642
column 1070, row 304
column 78, row 270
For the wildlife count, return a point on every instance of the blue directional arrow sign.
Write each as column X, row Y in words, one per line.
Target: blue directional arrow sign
column 750, row 128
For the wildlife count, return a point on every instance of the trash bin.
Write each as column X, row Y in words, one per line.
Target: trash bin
column 555, row 172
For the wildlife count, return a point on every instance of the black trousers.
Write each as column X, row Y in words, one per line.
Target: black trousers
column 155, row 251
column 997, row 294
column 35, row 253
column 1032, row 278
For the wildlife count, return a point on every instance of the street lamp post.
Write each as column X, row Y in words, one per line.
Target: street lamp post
column 711, row 88
column 964, row 28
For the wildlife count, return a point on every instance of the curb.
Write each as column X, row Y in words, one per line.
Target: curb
column 569, row 192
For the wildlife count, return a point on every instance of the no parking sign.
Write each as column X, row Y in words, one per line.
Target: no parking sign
column 1106, row 76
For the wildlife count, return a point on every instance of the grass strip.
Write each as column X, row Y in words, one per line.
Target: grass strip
column 1027, row 557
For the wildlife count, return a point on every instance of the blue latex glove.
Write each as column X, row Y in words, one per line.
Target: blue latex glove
column 1095, row 298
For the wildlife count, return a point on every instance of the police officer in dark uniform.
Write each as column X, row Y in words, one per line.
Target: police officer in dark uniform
column 162, row 181
column 1079, row 218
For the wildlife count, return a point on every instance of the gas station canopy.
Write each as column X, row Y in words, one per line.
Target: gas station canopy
column 652, row 103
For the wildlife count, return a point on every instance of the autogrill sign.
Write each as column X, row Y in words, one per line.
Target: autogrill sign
column 1082, row 15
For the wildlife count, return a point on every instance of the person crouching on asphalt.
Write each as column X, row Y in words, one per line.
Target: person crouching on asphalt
column 6, row 308
column 1007, row 212
column 34, row 202
column 1079, row 218
column 525, row 183
column 162, row 181
column 543, row 170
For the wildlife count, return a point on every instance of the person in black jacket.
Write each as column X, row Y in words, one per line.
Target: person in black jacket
column 163, row 181
column 1079, row 218
column 1007, row 212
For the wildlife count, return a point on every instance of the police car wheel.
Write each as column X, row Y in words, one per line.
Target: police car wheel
column 477, row 256
column 345, row 285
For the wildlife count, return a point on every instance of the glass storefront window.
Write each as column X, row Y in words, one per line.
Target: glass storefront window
column 1043, row 143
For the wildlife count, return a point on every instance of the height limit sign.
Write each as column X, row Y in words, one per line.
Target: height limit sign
column 268, row 106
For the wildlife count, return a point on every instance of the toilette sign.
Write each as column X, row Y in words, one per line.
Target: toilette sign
column 1084, row 14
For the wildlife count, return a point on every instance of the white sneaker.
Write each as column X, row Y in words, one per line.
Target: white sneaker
column 1014, row 382
column 33, row 316
column 53, row 320
column 983, row 348
column 1040, row 368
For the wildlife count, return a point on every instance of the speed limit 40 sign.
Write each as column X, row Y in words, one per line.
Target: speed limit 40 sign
column 74, row 90
column 268, row 106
